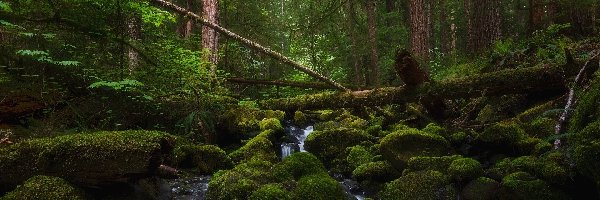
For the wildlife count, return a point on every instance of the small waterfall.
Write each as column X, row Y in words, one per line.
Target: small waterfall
column 305, row 133
column 286, row 149
column 295, row 139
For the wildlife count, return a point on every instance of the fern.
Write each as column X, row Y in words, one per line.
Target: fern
column 124, row 85
column 5, row 7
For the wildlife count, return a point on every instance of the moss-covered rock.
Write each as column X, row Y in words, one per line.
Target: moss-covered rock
column 522, row 185
column 270, row 124
column 422, row 185
column 421, row 163
column 258, row 148
column 481, row 188
column 331, row 144
column 298, row 165
column 586, row 151
column 91, row 158
column 206, row 158
column 241, row 181
column 270, row 192
column 545, row 168
column 373, row 175
column 300, row 117
column 318, row 186
column 434, row 129
column 46, row 187
column 243, row 120
column 402, row 145
column 464, row 169
column 359, row 155
column 540, row 127
column 502, row 135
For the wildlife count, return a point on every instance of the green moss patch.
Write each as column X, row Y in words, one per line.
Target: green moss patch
column 270, row 192
column 46, row 187
column 318, row 186
column 258, row 148
column 465, row 169
column 422, row 185
column 87, row 158
column 400, row 146
column 205, row 158
column 241, row 181
column 481, row 188
column 331, row 144
column 300, row 164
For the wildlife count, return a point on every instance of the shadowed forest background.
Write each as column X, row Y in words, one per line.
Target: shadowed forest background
column 331, row 99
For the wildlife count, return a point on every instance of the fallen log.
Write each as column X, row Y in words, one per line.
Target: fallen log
column 90, row 159
column 298, row 84
column 512, row 81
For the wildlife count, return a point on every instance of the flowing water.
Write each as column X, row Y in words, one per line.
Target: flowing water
column 295, row 143
column 191, row 188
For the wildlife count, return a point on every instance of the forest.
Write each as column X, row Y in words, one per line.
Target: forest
column 300, row 100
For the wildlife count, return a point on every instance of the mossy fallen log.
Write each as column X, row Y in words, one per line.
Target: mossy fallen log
column 530, row 80
column 91, row 159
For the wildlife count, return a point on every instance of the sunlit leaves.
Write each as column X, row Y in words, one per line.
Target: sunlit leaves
column 125, row 85
column 5, row 7
column 151, row 14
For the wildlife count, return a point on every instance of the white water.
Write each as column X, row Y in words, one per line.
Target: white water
column 302, row 137
column 286, row 149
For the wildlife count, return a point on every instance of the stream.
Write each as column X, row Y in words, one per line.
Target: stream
column 295, row 143
column 194, row 188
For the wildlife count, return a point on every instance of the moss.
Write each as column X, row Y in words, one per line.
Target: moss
column 465, row 169
column 586, row 151
column 331, row 144
column 502, row 136
column 400, row 146
column 46, row 187
column 375, row 130
column 400, row 127
column 300, row 117
column 327, row 125
column 241, row 181
column 540, row 127
column 271, row 124
column 258, row 148
column 482, row 188
column 206, row 158
column 270, row 192
column 85, row 157
column 434, row 129
column 298, row 165
column 381, row 171
column 359, row 155
column 522, row 185
column 527, row 146
column 440, row 164
column 244, row 120
column 318, row 186
column 588, row 108
column 544, row 168
column 421, row 185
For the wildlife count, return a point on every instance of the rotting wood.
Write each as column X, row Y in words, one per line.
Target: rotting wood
column 512, row 81
column 298, row 84
column 249, row 43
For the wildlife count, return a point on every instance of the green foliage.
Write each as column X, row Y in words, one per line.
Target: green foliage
column 151, row 14
column 270, row 124
column 482, row 188
column 421, row 163
column 241, row 181
column 521, row 185
column 4, row 6
column 378, row 171
column 359, row 155
column 46, row 187
column 331, row 144
column 124, row 85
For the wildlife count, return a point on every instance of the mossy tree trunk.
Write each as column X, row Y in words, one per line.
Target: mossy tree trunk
column 514, row 81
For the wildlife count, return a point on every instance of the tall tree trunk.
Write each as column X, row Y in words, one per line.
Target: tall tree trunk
column 134, row 31
column 351, row 16
column 486, row 24
column 420, row 28
column 210, row 38
column 536, row 15
column 372, row 38
column 185, row 30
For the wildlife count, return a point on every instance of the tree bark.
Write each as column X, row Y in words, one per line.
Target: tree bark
column 210, row 37
column 251, row 44
column 536, row 15
column 134, row 31
column 372, row 38
column 186, row 29
column 420, row 29
column 513, row 81
column 486, row 24
column 354, row 49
